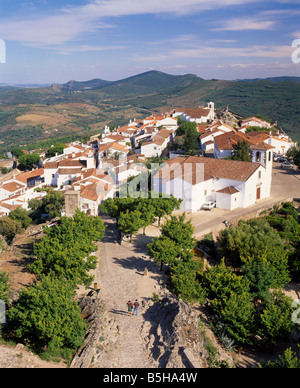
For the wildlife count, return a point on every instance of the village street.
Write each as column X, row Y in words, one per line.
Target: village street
column 120, row 276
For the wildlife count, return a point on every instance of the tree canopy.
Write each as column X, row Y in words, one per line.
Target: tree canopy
column 47, row 315
column 65, row 250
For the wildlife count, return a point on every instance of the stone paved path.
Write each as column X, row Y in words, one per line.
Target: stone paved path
column 120, row 275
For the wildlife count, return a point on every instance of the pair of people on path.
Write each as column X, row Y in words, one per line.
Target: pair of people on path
column 133, row 308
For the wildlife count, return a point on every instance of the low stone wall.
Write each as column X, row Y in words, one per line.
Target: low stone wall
column 91, row 308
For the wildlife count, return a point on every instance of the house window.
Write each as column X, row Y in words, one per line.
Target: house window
column 205, row 192
column 270, row 155
column 259, row 175
column 258, row 156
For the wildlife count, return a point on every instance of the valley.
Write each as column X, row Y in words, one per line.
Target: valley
column 32, row 116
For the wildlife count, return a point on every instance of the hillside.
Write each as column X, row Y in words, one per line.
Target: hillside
column 76, row 109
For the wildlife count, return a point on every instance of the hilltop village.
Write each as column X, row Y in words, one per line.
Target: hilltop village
column 203, row 174
column 216, row 271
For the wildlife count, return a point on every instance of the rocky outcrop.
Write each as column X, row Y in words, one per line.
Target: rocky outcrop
column 172, row 335
column 91, row 310
column 174, row 338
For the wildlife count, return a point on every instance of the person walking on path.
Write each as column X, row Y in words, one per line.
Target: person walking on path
column 130, row 307
column 136, row 308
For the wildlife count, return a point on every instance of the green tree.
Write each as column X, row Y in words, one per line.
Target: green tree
column 247, row 240
column 163, row 250
column 4, row 286
column 190, row 139
column 21, row 215
column 180, row 232
column 53, row 203
column 146, row 208
column 57, row 149
column 27, row 161
column 130, row 222
column 9, row 229
column 185, row 283
column 164, row 206
column 288, row 360
column 261, row 276
column 230, row 299
column 17, row 152
column 65, row 250
column 47, row 315
column 275, row 321
column 242, row 151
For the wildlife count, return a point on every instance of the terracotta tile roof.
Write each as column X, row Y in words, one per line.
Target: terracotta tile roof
column 13, row 186
column 156, row 141
column 115, row 146
column 164, row 133
column 69, row 163
column 69, row 171
column 228, row 190
column 116, row 137
column 95, row 191
column 8, row 206
column 262, row 122
column 228, row 139
column 200, row 169
column 30, row 175
column 262, row 146
column 195, row 113
column 51, row 165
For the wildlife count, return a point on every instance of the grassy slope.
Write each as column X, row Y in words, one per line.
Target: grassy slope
column 136, row 96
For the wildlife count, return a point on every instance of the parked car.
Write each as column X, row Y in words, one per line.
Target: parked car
column 287, row 165
column 209, row 205
column 281, row 159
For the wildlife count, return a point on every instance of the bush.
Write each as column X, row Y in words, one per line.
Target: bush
column 9, row 229
column 21, row 215
column 47, row 316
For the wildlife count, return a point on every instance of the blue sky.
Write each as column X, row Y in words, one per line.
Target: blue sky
column 55, row 41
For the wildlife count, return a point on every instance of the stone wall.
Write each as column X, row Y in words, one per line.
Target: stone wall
column 72, row 200
column 92, row 311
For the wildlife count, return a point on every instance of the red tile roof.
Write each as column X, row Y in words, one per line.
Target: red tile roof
column 196, row 169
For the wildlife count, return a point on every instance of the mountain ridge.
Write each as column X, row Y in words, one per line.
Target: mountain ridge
column 28, row 115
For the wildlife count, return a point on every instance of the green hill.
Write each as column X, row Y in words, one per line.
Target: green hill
column 82, row 108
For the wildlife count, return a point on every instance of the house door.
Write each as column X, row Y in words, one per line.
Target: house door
column 258, row 193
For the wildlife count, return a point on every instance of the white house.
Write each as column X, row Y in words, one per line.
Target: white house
column 198, row 115
column 153, row 147
column 111, row 150
column 231, row 184
column 94, row 187
column 62, row 173
column 223, row 143
column 254, row 122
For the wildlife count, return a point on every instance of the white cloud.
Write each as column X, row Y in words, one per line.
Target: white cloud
column 73, row 23
column 201, row 52
column 243, row 24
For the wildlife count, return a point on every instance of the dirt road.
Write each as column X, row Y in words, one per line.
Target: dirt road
column 120, row 274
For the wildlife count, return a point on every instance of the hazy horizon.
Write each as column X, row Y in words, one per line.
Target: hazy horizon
column 60, row 40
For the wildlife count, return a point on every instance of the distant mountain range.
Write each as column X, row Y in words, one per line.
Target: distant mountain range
column 144, row 79
column 153, row 79
column 31, row 113
column 25, row 86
